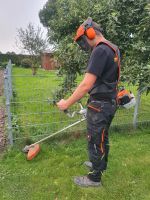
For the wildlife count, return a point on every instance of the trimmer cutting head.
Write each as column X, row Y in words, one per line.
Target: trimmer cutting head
column 31, row 150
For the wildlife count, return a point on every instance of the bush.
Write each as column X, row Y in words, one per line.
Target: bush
column 26, row 62
column 3, row 65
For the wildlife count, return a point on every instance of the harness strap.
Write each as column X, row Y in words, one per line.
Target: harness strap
column 116, row 51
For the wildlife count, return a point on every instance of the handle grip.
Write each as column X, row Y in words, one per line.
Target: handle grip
column 66, row 111
column 54, row 103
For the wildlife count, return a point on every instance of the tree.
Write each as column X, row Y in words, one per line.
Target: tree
column 32, row 41
column 122, row 22
column 139, row 56
column 11, row 53
column 133, row 36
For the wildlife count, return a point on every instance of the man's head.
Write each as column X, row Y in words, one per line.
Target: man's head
column 88, row 34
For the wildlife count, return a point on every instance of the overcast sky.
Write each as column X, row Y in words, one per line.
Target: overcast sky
column 15, row 14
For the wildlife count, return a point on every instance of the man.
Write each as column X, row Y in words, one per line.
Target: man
column 100, row 81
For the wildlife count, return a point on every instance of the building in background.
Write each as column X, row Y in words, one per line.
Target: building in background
column 48, row 61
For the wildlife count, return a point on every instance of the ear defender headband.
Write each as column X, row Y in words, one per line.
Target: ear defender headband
column 86, row 29
column 89, row 30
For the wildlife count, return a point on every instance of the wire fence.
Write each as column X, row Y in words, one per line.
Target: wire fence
column 31, row 112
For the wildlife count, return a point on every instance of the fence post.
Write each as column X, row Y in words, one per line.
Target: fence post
column 7, row 96
column 9, row 67
column 135, row 117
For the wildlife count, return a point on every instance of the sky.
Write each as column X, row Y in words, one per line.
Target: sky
column 16, row 14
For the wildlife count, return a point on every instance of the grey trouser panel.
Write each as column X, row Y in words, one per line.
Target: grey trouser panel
column 99, row 118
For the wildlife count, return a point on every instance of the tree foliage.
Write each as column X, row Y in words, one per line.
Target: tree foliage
column 136, row 62
column 31, row 39
column 26, row 62
column 15, row 58
column 125, row 23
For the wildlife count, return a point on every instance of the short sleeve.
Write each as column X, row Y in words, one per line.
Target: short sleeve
column 97, row 61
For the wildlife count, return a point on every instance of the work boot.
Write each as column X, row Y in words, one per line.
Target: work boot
column 84, row 181
column 88, row 164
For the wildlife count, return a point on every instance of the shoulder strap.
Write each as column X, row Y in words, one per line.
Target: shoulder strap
column 116, row 51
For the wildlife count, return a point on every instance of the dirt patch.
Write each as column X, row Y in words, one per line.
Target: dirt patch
column 2, row 115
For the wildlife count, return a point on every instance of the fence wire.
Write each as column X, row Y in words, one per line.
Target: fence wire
column 31, row 112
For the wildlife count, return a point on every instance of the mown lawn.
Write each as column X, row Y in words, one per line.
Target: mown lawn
column 33, row 115
column 49, row 175
column 31, row 110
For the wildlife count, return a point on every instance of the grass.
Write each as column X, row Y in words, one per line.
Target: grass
column 35, row 116
column 49, row 175
column 33, row 112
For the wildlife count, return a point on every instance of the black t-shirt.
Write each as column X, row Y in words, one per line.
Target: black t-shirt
column 101, row 64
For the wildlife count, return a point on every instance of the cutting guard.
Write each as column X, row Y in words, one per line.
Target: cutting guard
column 33, row 151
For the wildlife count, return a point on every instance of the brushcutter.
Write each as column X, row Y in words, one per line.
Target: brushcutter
column 33, row 149
column 125, row 98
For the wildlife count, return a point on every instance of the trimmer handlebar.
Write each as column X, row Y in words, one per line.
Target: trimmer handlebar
column 71, row 115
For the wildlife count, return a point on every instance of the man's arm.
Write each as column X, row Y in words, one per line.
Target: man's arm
column 81, row 90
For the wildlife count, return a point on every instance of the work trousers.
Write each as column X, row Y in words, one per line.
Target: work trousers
column 99, row 118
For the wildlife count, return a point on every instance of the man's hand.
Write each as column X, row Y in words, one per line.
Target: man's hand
column 62, row 104
column 81, row 90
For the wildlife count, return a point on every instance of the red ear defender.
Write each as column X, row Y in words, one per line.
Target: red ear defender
column 86, row 29
column 90, row 33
